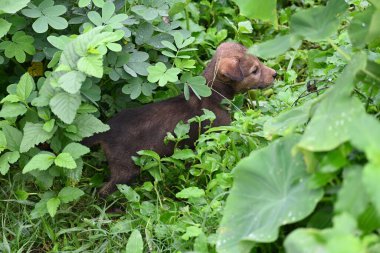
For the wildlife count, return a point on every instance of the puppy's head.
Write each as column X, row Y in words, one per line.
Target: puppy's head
column 242, row 71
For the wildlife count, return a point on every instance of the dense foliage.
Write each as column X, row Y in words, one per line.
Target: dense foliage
column 296, row 171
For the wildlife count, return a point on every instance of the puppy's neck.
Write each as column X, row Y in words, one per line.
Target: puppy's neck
column 220, row 89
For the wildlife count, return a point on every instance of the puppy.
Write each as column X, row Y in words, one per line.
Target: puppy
column 231, row 70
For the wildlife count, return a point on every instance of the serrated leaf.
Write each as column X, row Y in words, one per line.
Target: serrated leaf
column 92, row 65
column 10, row 6
column 65, row 106
column 6, row 159
column 4, row 27
column 72, row 81
column 13, row 136
column 49, row 125
column 33, row 135
column 76, row 150
column 129, row 193
column 69, row 194
column 65, row 160
column 88, row 125
column 135, row 243
column 25, row 86
column 264, row 10
column 52, row 206
column 12, row 110
column 41, row 161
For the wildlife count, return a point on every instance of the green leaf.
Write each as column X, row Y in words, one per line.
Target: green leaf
column 6, row 159
column 160, row 73
column 65, row 160
column 191, row 231
column 72, row 81
column 20, row 44
column 333, row 117
column 364, row 133
column 265, row 196
column 33, row 134
column 288, row 121
column 88, row 125
column 327, row 240
column 147, row 13
column 264, row 10
column 83, row 3
column 69, row 194
column 52, row 206
column 65, row 106
column 129, row 193
column 371, row 177
column 137, row 64
column 135, row 243
column 3, row 142
column 41, row 161
column 364, row 27
column 183, row 154
column 190, row 192
column 318, row 23
column 4, row 27
column 12, row 110
column 352, row 197
column 25, row 86
column 91, row 65
column 13, row 136
column 76, row 150
column 49, row 125
column 134, row 88
column 276, row 46
column 10, row 6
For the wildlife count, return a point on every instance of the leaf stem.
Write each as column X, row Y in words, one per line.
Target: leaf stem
column 346, row 56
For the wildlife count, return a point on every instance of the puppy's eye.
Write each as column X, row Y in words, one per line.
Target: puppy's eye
column 255, row 71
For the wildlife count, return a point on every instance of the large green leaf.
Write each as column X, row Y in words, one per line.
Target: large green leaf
column 352, row 197
column 270, row 190
column 264, row 10
column 335, row 113
column 364, row 27
column 318, row 23
column 342, row 238
column 65, row 106
column 76, row 150
column 276, row 46
column 33, row 135
column 52, row 206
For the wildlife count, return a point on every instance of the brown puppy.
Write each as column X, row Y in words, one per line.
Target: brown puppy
column 230, row 71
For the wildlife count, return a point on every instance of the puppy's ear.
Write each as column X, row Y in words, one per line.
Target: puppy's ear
column 230, row 68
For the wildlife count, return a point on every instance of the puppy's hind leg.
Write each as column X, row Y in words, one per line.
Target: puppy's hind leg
column 122, row 172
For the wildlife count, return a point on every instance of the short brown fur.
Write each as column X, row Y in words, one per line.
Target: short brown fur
column 230, row 71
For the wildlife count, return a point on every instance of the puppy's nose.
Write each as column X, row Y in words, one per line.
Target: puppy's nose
column 275, row 75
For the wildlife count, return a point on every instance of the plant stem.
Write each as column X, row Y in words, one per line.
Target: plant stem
column 346, row 56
